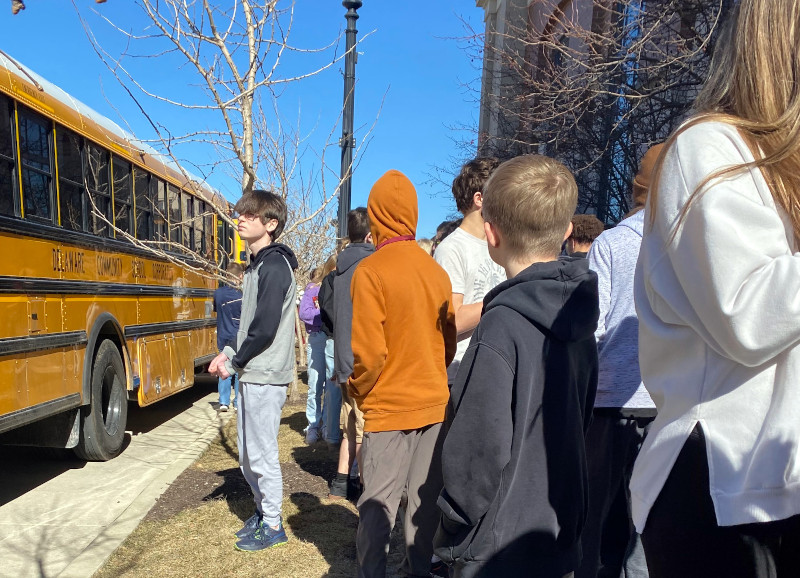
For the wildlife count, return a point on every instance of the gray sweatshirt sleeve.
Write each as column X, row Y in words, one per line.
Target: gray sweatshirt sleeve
column 600, row 262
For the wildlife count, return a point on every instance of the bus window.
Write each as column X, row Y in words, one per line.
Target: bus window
column 188, row 220
column 144, row 205
column 96, row 174
column 158, row 192
column 174, row 217
column 34, row 143
column 122, row 195
column 208, row 240
column 199, row 209
column 7, row 172
column 72, row 201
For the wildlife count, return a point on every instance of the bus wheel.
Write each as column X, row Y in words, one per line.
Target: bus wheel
column 103, row 420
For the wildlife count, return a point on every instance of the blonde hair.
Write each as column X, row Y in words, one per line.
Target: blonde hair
column 753, row 86
column 426, row 244
column 530, row 199
column 329, row 266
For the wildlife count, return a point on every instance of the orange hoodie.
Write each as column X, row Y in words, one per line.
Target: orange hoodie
column 404, row 331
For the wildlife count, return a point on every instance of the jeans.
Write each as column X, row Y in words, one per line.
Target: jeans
column 333, row 399
column 224, row 388
column 315, row 353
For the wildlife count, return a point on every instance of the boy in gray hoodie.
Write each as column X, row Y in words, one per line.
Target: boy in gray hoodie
column 264, row 360
column 351, row 418
column 623, row 410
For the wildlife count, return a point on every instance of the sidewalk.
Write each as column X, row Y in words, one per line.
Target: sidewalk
column 65, row 518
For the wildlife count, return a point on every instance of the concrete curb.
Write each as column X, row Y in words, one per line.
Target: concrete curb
column 100, row 549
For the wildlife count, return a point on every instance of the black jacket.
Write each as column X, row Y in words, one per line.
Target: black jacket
column 343, row 307
column 514, row 464
column 325, row 298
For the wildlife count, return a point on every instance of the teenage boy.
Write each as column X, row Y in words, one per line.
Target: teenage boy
column 351, row 419
column 228, row 306
column 465, row 256
column 264, row 360
column 403, row 338
column 514, row 465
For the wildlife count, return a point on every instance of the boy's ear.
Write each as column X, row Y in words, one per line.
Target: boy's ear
column 477, row 200
column 492, row 235
column 368, row 238
column 569, row 231
column 271, row 225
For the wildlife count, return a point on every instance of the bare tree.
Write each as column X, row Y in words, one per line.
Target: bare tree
column 235, row 49
column 594, row 83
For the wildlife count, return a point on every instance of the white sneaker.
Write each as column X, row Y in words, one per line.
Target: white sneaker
column 312, row 436
column 223, row 407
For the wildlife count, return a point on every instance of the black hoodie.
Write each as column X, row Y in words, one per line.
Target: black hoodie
column 343, row 307
column 514, row 465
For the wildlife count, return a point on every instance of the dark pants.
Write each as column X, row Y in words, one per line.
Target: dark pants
column 682, row 537
column 611, row 547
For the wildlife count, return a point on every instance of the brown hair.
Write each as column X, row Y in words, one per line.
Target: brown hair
column 586, row 228
column 752, row 85
column 471, row 180
column 530, row 199
column 265, row 205
column 357, row 224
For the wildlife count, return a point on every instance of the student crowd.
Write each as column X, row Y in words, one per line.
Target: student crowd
column 623, row 409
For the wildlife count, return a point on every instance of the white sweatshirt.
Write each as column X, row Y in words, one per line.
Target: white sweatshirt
column 719, row 324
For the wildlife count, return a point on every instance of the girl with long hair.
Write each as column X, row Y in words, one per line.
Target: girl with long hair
column 716, row 486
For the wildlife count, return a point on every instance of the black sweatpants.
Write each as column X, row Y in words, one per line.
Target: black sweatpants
column 682, row 538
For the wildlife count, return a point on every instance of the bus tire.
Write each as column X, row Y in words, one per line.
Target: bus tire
column 102, row 427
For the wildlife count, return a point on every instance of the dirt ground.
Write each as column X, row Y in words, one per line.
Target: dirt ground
column 189, row 531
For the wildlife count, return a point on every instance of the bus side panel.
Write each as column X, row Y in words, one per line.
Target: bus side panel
column 13, row 384
column 46, row 376
column 155, row 371
column 182, row 363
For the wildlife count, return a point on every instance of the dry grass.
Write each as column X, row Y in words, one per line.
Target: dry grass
column 198, row 541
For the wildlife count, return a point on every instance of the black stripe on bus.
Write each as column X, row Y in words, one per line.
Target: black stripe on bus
column 44, row 285
column 198, row 361
column 39, row 411
column 167, row 327
column 28, row 344
column 82, row 239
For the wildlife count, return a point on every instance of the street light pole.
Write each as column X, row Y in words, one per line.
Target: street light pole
column 347, row 141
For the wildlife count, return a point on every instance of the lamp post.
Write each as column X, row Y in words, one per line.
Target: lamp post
column 347, row 141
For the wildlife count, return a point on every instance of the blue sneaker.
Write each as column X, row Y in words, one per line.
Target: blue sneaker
column 264, row 537
column 249, row 526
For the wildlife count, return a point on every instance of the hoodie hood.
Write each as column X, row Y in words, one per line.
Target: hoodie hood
column 275, row 248
column 635, row 223
column 558, row 296
column 351, row 255
column 392, row 208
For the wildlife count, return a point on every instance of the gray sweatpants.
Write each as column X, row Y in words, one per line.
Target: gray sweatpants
column 395, row 462
column 259, row 418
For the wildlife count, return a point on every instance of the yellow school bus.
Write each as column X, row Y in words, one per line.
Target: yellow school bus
column 89, row 318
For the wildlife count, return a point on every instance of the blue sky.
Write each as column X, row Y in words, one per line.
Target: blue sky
column 411, row 64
